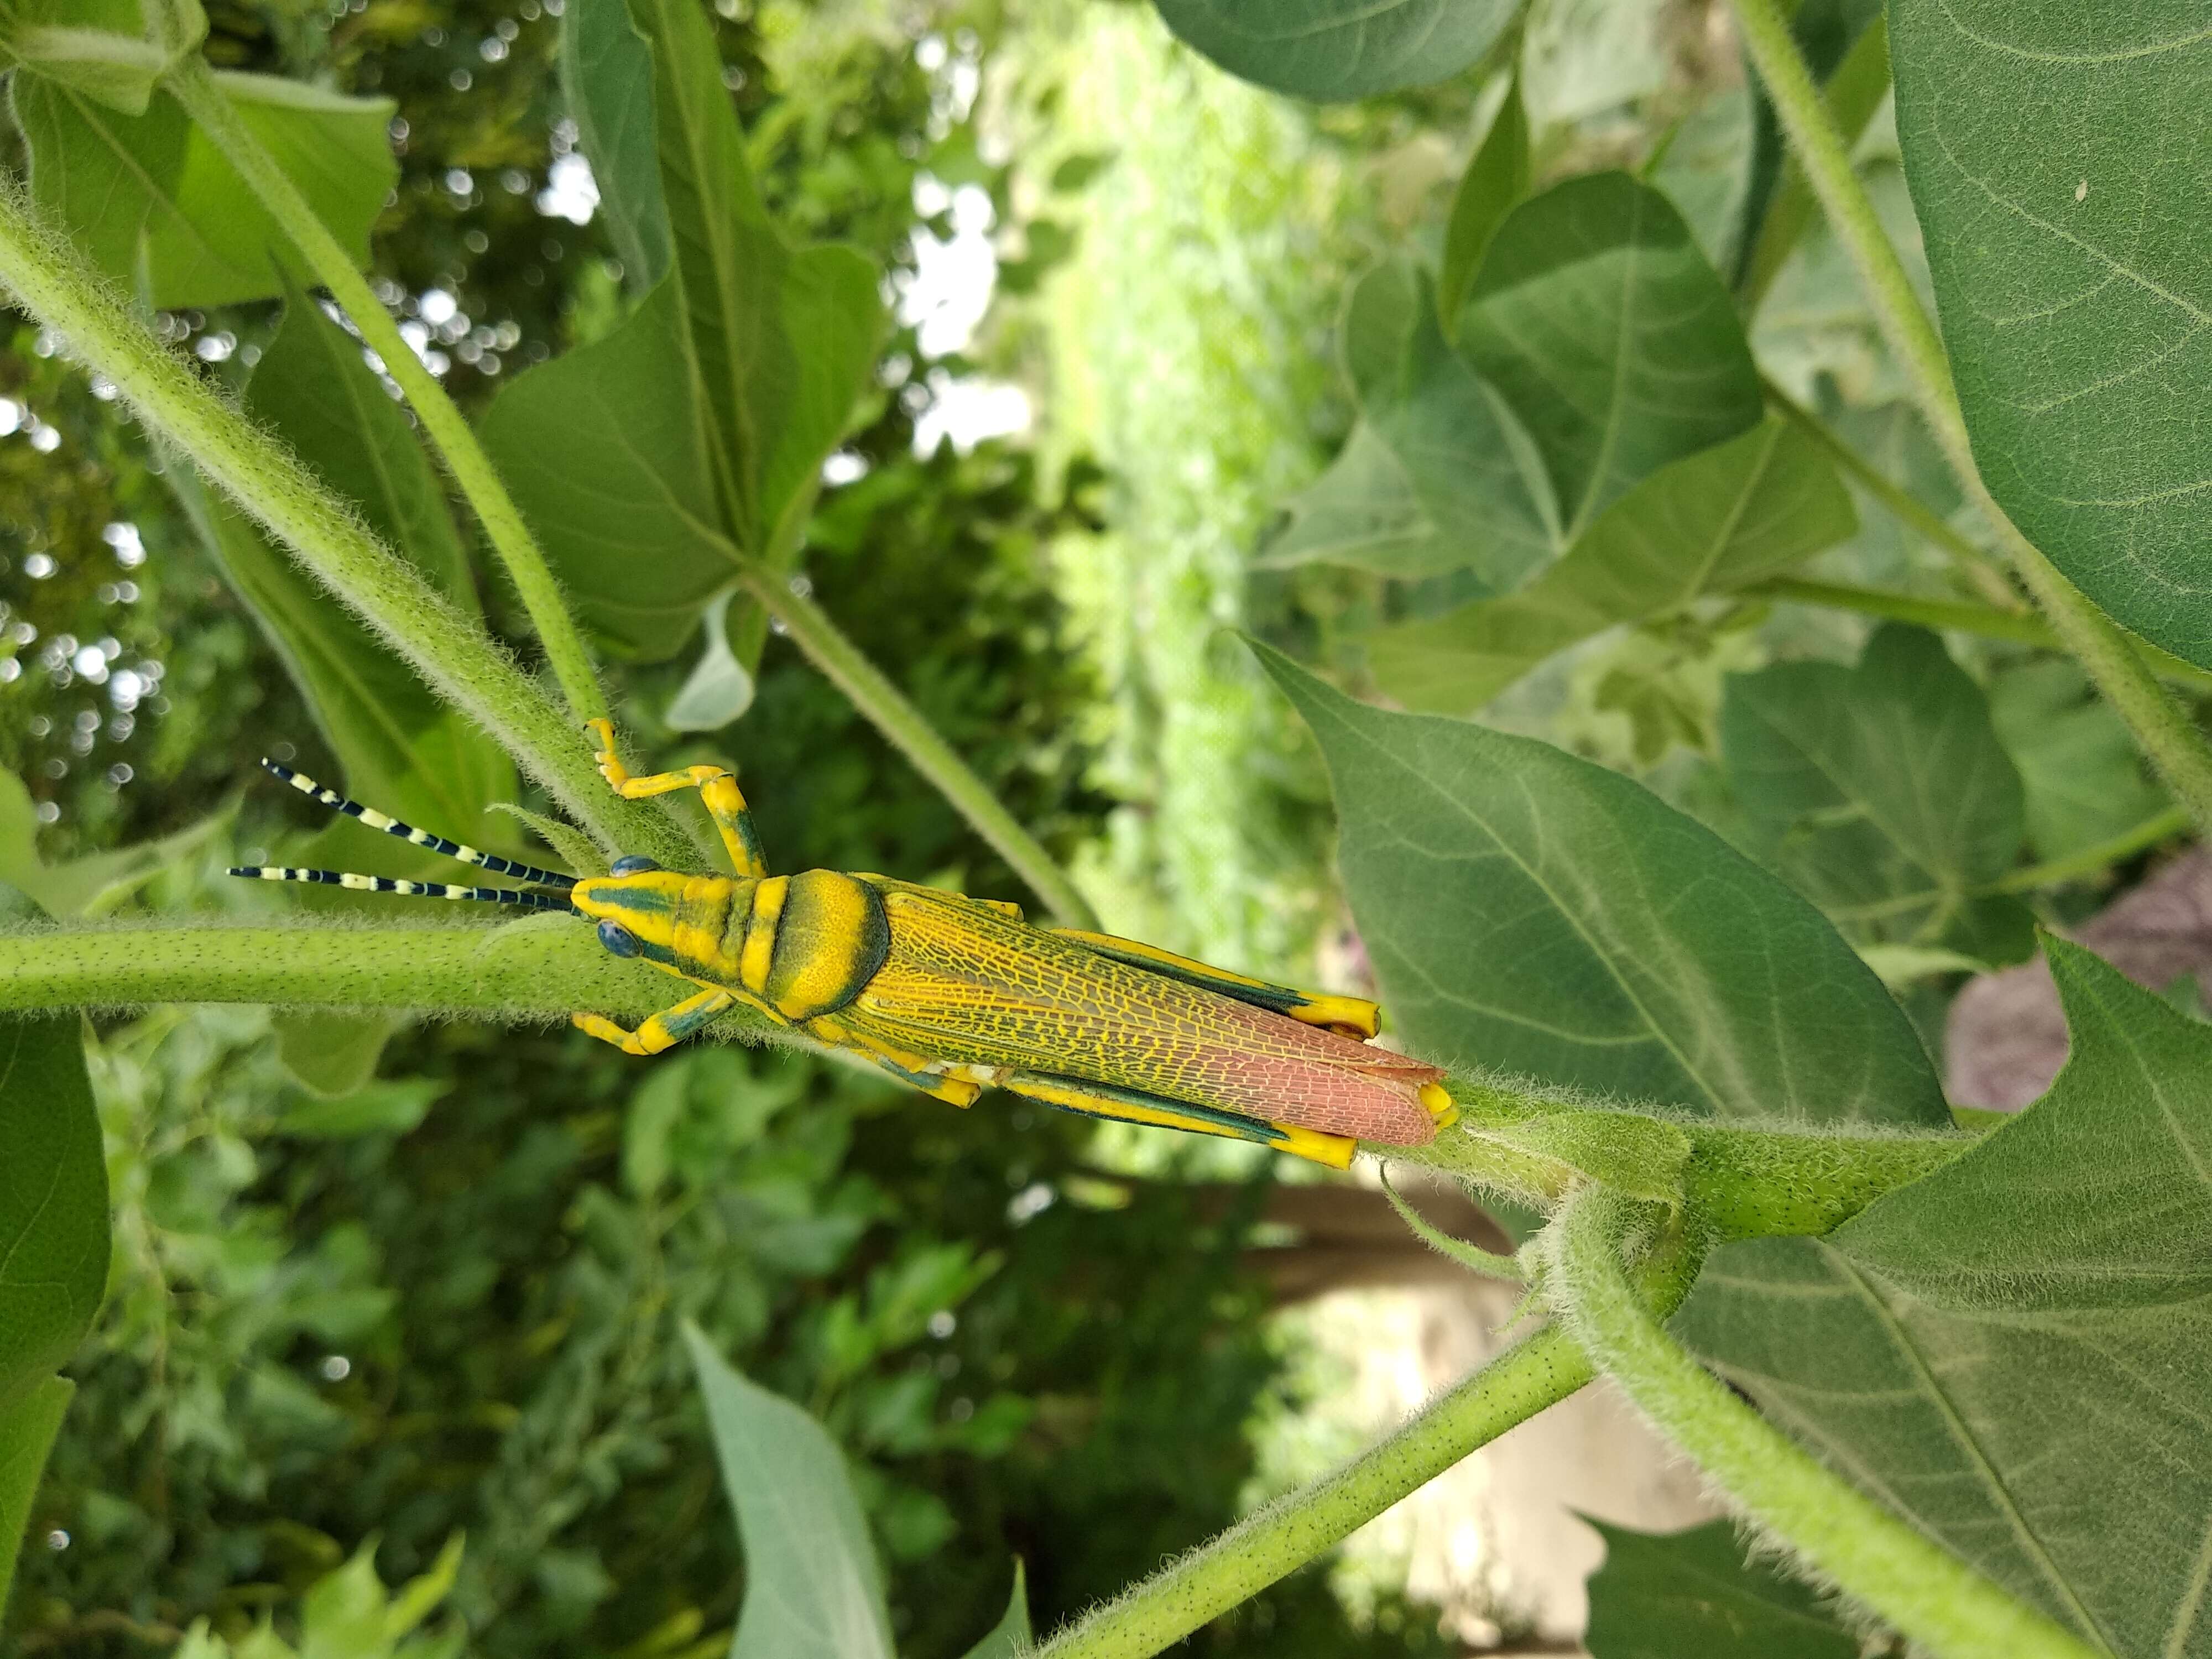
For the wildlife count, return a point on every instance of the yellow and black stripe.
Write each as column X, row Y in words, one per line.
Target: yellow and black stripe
column 391, row 826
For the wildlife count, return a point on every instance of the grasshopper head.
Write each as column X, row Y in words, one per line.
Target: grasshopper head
column 637, row 906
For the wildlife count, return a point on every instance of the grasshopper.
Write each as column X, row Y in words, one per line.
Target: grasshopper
column 953, row 994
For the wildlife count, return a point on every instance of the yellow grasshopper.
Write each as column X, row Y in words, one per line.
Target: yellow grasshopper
column 954, row 994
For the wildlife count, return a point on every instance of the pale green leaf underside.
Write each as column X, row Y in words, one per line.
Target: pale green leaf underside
column 1331, row 50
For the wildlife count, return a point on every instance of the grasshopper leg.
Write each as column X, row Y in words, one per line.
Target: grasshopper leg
column 717, row 788
column 908, row 1067
column 1353, row 1016
column 665, row 1029
column 1135, row 1106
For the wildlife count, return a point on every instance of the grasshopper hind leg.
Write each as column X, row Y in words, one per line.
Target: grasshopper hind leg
column 1135, row 1106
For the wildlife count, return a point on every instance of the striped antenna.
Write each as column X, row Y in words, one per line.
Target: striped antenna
column 391, row 826
column 360, row 883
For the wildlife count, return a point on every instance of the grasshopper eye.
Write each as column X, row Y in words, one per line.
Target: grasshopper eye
column 618, row 939
column 631, row 864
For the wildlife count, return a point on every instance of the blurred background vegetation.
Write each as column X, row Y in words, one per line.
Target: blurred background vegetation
column 445, row 1300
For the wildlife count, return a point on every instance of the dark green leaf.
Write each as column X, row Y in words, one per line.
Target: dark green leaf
column 402, row 748
column 1706, row 524
column 1609, row 335
column 28, row 1426
column 2083, row 775
column 1530, row 912
column 1672, row 1595
column 153, row 186
column 2013, row 1351
column 614, row 474
column 1010, row 1637
column 1076, row 173
column 1496, row 179
column 606, row 71
column 1381, row 312
column 813, row 1589
column 1882, row 793
column 1338, row 49
column 53, row 1201
column 2056, row 178
column 392, row 1108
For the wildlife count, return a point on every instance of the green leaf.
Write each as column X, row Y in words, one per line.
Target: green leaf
column 606, row 73
column 1535, row 914
column 813, row 1589
column 96, row 884
column 53, row 1201
column 1362, row 512
column 1672, row 1594
column 1496, row 179
column 718, row 689
column 614, row 474
column 1334, row 50
column 390, row 1108
column 1010, row 1637
column 2083, row 775
column 1606, row 331
column 2012, row 1351
column 1710, row 522
column 401, row 748
column 1882, row 793
column 115, row 68
column 332, row 1054
column 28, row 1427
column 152, row 187
column 2054, row 174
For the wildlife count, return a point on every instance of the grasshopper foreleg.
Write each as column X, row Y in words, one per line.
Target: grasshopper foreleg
column 665, row 1029
column 716, row 787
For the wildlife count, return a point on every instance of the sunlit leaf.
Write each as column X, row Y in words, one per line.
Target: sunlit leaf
column 813, row 1589
column 53, row 1201
column 1706, row 524
column 2014, row 1351
column 152, row 187
column 1600, row 321
column 28, row 1423
column 1531, row 912
column 2060, row 189
column 1882, row 793
column 1331, row 50
column 606, row 71
column 719, row 689
column 1671, row 1595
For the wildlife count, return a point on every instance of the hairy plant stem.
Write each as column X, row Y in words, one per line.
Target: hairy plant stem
column 870, row 692
column 195, row 87
column 2161, row 729
column 452, row 653
column 1930, row 1595
column 1539, row 1371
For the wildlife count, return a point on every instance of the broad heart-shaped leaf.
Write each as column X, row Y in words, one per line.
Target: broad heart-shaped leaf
column 152, row 184
column 813, row 1589
column 53, row 1201
column 1706, row 524
column 1671, row 1595
column 1599, row 320
column 1362, row 512
column 1533, row 913
column 780, row 340
column 401, row 748
column 606, row 72
column 2083, row 775
column 2058, row 159
column 609, row 463
column 1332, row 51
column 28, row 1427
column 2016, row 1352
column 1010, row 1637
column 1882, row 793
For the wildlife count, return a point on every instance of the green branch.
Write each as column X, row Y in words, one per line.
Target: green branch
column 452, row 653
column 1935, row 1599
column 2160, row 729
column 451, row 437
column 848, row 669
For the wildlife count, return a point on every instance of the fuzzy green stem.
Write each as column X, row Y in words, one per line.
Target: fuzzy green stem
column 2095, row 860
column 1768, row 1183
column 451, row 652
column 1539, row 1371
column 199, row 91
column 532, row 972
column 2162, row 729
column 848, row 669
column 1930, row 1595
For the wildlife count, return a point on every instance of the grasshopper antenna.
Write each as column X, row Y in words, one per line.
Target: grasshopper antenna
column 391, row 826
column 360, row 883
